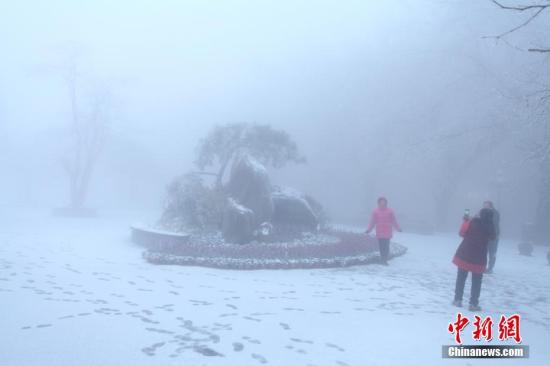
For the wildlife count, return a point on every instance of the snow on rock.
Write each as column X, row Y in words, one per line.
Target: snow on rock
column 238, row 223
column 249, row 185
column 284, row 192
column 157, row 239
column 157, row 230
column 292, row 208
column 254, row 164
column 240, row 209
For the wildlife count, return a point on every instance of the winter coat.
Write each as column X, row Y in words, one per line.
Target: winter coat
column 471, row 254
column 384, row 221
column 464, row 227
column 496, row 222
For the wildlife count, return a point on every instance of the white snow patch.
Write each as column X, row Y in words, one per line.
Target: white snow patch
column 156, row 230
column 240, row 208
column 254, row 164
column 76, row 291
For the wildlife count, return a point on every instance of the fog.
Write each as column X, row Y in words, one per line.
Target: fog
column 399, row 99
column 124, row 240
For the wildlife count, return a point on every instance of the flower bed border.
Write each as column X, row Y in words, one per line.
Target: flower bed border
column 160, row 258
column 349, row 248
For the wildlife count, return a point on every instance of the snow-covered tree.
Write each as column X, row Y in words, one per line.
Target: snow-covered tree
column 190, row 203
column 224, row 143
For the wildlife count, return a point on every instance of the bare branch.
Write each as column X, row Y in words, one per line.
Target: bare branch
column 529, row 20
column 206, row 173
column 541, row 50
column 521, row 7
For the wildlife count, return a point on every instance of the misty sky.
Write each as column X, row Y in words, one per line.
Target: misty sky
column 357, row 83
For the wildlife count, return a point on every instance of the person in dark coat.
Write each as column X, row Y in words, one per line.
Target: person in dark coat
column 493, row 244
column 471, row 256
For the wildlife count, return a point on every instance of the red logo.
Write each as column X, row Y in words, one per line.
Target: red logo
column 508, row 327
column 484, row 329
column 458, row 326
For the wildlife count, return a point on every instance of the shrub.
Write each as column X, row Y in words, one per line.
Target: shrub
column 191, row 205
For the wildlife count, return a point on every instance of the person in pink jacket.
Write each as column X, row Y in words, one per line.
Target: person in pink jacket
column 383, row 219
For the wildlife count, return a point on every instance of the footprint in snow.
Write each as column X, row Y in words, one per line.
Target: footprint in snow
column 332, row 345
column 251, row 340
column 207, row 351
column 259, row 358
column 285, row 326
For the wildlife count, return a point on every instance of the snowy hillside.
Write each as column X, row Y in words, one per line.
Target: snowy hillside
column 77, row 292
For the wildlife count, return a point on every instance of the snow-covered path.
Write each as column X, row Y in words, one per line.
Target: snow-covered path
column 76, row 292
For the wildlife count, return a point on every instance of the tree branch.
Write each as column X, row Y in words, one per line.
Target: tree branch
column 206, row 173
column 529, row 20
column 521, row 8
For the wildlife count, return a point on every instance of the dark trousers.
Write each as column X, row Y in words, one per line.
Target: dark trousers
column 476, row 286
column 492, row 252
column 384, row 249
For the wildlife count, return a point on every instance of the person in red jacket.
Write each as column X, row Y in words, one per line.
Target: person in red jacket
column 383, row 219
column 471, row 256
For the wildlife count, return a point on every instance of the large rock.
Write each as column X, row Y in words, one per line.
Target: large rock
column 238, row 223
column 249, row 185
column 291, row 208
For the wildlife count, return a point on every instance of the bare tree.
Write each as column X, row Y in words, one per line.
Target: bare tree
column 535, row 130
column 452, row 146
column 535, row 146
column 90, row 112
column 453, row 162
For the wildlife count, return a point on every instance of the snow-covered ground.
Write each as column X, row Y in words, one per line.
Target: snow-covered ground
column 77, row 292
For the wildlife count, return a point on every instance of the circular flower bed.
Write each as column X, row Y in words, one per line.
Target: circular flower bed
column 330, row 248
